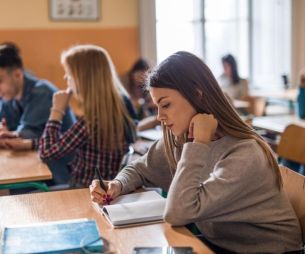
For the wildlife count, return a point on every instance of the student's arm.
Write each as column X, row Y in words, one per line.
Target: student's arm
column 301, row 102
column 17, row 144
column 200, row 192
column 54, row 145
column 10, row 114
column 37, row 112
column 152, row 169
column 68, row 120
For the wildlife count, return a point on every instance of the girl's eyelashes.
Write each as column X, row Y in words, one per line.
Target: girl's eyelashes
column 165, row 105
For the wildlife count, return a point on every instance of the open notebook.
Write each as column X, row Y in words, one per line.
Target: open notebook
column 136, row 208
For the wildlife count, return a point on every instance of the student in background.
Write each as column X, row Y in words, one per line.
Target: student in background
column 230, row 81
column 301, row 114
column 102, row 136
column 134, row 84
column 219, row 173
column 26, row 107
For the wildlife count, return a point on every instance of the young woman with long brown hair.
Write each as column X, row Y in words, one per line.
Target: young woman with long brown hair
column 218, row 172
column 230, row 81
column 101, row 137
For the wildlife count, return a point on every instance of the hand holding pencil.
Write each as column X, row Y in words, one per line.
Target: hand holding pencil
column 104, row 193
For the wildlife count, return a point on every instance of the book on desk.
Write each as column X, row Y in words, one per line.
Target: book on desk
column 134, row 209
column 68, row 236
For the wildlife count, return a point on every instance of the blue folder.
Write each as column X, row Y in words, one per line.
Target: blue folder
column 55, row 237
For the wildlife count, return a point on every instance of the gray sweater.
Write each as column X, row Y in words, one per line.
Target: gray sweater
column 227, row 188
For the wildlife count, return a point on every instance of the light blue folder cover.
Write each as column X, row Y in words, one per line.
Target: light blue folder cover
column 55, row 237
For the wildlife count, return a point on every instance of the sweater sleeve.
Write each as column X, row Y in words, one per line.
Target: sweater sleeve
column 200, row 193
column 152, row 169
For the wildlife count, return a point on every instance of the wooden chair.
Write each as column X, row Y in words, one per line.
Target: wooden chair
column 292, row 145
column 294, row 186
column 257, row 105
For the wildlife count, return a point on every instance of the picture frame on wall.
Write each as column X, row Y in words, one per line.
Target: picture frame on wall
column 74, row 10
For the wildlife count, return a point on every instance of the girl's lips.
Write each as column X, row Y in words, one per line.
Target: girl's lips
column 170, row 126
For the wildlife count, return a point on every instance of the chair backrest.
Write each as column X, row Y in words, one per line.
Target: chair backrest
column 292, row 144
column 257, row 105
column 294, row 186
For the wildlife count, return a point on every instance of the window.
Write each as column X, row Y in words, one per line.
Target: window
column 179, row 27
column 226, row 31
column 271, row 42
column 257, row 33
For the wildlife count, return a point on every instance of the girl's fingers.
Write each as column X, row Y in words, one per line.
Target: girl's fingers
column 69, row 90
column 95, row 183
column 8, row 145
column 113, row 190
column 95, row 187
column 107, row 200
column 98, row 190
column 97, row 200
column 97, row 197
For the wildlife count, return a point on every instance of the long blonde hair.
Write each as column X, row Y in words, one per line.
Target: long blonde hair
column 100, row 93
column 188, row 74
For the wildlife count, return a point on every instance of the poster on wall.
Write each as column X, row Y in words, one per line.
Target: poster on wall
column 73, row 10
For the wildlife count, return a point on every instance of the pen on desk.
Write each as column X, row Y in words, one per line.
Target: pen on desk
column 97, row 176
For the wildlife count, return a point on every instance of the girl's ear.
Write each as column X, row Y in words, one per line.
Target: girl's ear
column 199, row 92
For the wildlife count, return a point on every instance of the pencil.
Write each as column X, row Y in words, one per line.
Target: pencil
column 97, row 176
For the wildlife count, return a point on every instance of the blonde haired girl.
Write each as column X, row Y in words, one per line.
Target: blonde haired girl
column 102, row 136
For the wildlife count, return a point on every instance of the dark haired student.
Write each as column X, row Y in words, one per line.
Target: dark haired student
column 26, row 105
column 219, row 173
column 230, row 81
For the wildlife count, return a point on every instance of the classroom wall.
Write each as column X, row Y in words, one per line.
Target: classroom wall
column 41, row 40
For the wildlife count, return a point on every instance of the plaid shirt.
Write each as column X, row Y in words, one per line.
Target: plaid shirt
column 54, row 145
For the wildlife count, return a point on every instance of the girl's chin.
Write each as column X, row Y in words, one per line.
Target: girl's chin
column 177, row 133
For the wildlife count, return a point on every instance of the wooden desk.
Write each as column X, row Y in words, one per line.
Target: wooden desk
column 240, row 104
column 74, row 204
column 288, row 95
column 276, row 124
column 17, row 167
